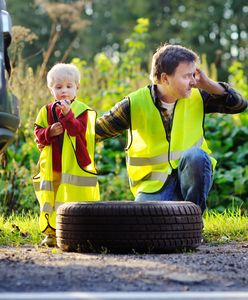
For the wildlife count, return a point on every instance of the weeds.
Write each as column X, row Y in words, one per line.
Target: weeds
column 230, row 225
column 219, row 228
column 17, row 230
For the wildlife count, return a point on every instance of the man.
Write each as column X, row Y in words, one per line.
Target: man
column 167, row 155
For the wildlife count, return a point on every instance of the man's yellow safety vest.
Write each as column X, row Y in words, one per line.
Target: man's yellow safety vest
column 76, row 184
column 150, row 156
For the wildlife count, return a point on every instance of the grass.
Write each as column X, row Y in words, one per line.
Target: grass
column 231, row 225
column 17, row 230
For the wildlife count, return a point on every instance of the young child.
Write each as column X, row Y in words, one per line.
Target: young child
column 65, row 131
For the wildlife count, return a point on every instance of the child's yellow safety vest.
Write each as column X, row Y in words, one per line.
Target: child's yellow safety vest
column 76, row 184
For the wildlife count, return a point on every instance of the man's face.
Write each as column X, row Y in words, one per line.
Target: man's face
column 182, row 81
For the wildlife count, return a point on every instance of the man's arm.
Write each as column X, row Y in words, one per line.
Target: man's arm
column 204, row 83
column 219, row 96
column 114, row 122
column 231, row 102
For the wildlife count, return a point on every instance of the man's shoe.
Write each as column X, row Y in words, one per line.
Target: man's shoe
column 50, row 241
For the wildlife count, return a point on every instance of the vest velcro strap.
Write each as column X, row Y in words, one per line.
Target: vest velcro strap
column 47, row 208
column 159, row 176
column 79, row 180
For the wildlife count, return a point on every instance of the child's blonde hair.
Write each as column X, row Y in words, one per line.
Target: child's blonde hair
column 63, row 71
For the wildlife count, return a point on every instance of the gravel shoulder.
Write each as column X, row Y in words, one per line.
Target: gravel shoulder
column 210, row 268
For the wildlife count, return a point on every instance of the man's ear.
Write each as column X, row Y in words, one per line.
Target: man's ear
column 164, row 78
column 78, row 86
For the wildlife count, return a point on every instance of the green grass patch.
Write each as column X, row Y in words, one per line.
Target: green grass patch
column 230, row 225
column 17, row 230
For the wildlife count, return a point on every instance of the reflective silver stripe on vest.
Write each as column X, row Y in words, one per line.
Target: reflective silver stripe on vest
column 44, row 185
column 147, row 161
column 199, row 142
column 46, row 208
column 79, row 180
column 158, row 159
column 174, row 155
column 160, row 176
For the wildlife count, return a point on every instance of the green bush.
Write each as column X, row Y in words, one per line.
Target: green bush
column 229, row 143
column 228, row 138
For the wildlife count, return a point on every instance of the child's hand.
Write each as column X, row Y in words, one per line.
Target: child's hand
column 56, row 129
column 39, row 146
column 64, row 105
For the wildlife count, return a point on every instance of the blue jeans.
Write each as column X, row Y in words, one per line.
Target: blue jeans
column 191, row 181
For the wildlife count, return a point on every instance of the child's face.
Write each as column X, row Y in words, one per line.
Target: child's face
column 64, row 89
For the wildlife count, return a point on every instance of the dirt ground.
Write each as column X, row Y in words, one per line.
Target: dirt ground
column 210, row 268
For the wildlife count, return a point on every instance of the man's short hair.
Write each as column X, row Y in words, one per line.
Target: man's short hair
column 167, row 58
column 63, row 71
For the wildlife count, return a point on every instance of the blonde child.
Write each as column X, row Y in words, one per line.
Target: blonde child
column 65, row 131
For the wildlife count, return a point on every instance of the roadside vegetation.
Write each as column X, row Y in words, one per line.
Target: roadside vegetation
column 16, row 230
column 231, row 225
column 219, row 228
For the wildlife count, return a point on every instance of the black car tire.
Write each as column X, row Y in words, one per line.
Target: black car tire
column 127, row 226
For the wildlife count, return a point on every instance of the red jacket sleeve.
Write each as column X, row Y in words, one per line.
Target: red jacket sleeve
column 42, row 135
column 74, row 126
column 77, row 127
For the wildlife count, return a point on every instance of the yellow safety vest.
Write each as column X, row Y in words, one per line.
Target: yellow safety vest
column 150, row 157
column 76, row 184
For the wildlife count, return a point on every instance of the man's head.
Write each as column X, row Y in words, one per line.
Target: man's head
column 167, row 58
column 63, row 81
column 174, row 70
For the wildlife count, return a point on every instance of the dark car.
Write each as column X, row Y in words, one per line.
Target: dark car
column 9, row 111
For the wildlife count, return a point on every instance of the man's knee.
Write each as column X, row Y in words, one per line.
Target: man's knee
column 194, row 155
